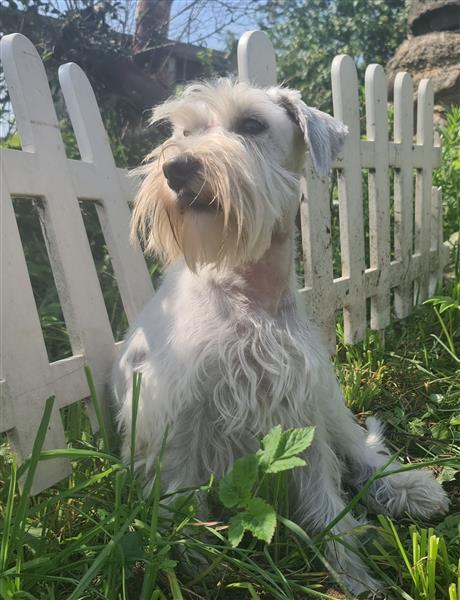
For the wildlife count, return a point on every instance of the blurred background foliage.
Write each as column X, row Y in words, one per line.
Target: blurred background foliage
column 308, row 35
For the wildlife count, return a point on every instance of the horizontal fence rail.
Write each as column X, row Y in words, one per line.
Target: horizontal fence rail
column 402, row 214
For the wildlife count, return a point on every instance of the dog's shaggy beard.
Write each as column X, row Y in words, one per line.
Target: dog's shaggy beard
column 235, row 182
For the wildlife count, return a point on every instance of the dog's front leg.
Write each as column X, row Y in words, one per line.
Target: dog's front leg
column 199, row 447
column 317, row 502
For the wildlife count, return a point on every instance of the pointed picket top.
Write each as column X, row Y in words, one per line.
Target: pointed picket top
column 345, row 86
column 256, row 59
column 26, row 78
column 93, row 141
column 425, row 102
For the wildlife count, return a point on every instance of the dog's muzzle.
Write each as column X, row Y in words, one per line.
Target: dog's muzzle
column 184, row 176
column 180, row 170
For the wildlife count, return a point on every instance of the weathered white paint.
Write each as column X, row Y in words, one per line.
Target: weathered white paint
column 379, row 198
column 403, row 190
column 42, row 170
column 423, row 185
column 256, row 59
column 346, row 109
column 315, row 219
column 24, row 361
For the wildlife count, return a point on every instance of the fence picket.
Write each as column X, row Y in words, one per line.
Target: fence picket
column 403, row 190
column 315, row 219
column 256, row 59
column 379, row 198
column 128, row 263
column 6, row 406
column 436, row 237
column 424, row 138
column 346, row 109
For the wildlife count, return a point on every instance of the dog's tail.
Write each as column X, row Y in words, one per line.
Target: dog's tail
column 378, row 453
column 375, row 431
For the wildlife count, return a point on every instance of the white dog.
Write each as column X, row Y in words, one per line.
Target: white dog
column 224, row 348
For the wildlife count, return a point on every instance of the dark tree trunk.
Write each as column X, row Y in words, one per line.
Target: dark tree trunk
column 152, row 23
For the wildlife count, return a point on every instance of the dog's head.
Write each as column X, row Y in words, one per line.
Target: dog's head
column 227, row 180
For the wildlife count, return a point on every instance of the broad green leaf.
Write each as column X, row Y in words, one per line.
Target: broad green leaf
column 236, row 487
column 450, row 528
column 262, row 519
column 297, row 440
column 280, row 445
column 167, row 564
column 236, row 530
column 259, row 518
column 284, row 464
column 270, row 445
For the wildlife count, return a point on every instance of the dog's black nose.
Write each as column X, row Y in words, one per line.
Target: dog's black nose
column 179, row 170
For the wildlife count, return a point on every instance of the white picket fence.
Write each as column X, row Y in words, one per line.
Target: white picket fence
column 41, row 170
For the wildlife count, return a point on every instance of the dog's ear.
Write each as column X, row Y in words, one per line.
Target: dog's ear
column 324, row 136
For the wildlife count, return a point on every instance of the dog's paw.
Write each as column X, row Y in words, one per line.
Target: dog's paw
column 414, row 492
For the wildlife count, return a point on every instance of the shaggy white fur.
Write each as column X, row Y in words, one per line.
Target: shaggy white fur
column 224, row 347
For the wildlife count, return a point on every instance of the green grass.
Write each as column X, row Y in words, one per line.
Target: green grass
column 96, row 536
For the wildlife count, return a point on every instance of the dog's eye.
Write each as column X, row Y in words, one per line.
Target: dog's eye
column 186, row 132
column 250, row 126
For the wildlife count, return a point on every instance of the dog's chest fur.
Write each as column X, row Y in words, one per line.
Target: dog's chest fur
column 252, row 363
column 213, row 363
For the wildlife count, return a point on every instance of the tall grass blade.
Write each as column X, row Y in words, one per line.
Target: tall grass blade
column 299, row 532
column 400, row 547
column 453, row 592
column 136, row 392
column 433, row 544
column 152, row 571
column 244, row 585
column 102, row 557
column 71, row 453
column 174, row 586
column 19, row 520
column 7, row 522
column 98, row 409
